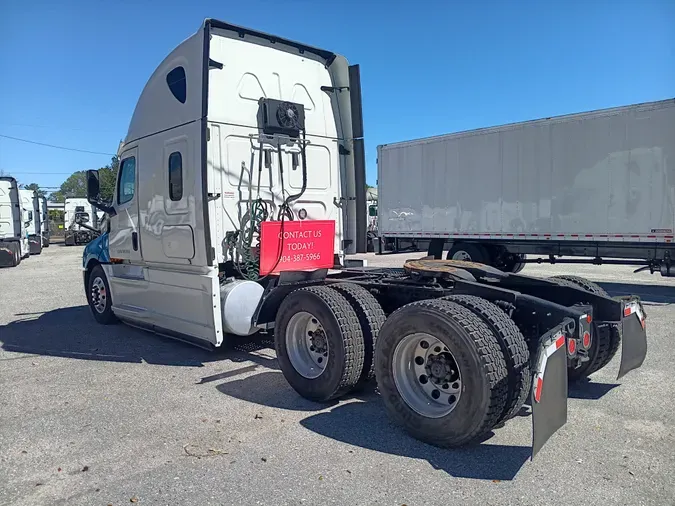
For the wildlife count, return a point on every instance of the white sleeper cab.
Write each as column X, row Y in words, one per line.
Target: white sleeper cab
column 14, row 223
column 241, row 190
column 31, row 205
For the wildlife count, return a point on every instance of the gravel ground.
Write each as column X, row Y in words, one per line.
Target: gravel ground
column 93, row 415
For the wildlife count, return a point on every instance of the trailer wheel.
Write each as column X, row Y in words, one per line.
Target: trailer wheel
column 513, row 346
column 371, row 317
column 468, row 252
column 99, row 297
column 607, row 339
column 441, row 372
column 319, row 343
column 17, row 252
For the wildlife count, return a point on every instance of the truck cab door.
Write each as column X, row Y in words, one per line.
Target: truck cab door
column 124, row 237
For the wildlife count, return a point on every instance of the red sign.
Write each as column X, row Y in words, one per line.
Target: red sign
column 302, row 245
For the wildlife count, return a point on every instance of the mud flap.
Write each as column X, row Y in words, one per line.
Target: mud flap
column 633, row 336
column 549, row 389
column 6, row 256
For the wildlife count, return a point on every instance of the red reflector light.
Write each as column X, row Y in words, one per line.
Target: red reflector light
column 537, row 391
column 560, row 342
column 572, row 346
column 627, row 311
column 589, row 318
column 586, row 340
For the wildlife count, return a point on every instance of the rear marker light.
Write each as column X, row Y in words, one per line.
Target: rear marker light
column 627, row 311
column 589, row 318
column 572, row 346
column 586, row 340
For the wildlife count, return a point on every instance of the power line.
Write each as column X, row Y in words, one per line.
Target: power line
column 10, row 171
column 56, row 147
column 24, row 125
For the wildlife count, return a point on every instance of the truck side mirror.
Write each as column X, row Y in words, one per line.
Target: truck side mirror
column 93, row 187
column 94, row 193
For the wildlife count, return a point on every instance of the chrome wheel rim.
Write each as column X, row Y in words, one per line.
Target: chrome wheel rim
column 307, row 345
column 99, row 295
column 426, row 375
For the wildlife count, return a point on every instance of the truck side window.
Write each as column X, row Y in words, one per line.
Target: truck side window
column 175, row 176
column 127, row 181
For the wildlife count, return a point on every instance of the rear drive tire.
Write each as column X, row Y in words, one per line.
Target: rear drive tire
column 371, row 318
column 426, row 343
column 513, row 346
column 319, row 343
column 99, row 297
column 469, row 252
column 606, row 339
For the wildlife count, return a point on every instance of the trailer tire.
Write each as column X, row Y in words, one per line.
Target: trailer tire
column 468, row 252
column 513, row 346
column 607, row 338
column 371, row 318
column 17, row 248
column 331, row 313
column 99, row 297
column 480, row 379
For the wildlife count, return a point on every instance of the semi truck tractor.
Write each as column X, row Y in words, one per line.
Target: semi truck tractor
column 241, row 188
column 80, row 221
column 14, row 220
column 44, row 217
column 31, row 204
column 599, row 185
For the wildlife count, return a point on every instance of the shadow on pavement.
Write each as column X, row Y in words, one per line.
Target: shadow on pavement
column 73, row 333
column 365, row 424
column 648, row 293
column 589, row 390
column 269, row 389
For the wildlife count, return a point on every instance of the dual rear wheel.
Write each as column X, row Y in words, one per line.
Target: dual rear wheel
column 448, row 370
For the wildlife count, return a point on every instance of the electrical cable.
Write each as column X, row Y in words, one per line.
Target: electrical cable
column 55, row 146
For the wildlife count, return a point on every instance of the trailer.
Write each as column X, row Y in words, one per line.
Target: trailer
column 80, row 221
column 236, row 201
column 14, row 219
column 598, row 184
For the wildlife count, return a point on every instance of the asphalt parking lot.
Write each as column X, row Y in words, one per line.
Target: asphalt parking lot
column 94, row 415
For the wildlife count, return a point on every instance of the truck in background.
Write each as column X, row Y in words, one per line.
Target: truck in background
column 598, row 184
column 80, row 221
column 14, row 245
column 235, row 204
column 31, row 203
column 44, row 216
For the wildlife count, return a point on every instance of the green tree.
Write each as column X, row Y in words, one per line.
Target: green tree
column 75, row 186
column 107, row 177
column 36, row 187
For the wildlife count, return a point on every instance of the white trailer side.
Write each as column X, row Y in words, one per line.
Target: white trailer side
column 600, row 183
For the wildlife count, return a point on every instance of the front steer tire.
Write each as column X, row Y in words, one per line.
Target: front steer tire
column 476, row 352
column 99, row 297
column 340, row 325
column 606, row 339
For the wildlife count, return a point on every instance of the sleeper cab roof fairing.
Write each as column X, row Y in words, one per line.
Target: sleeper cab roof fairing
column 158, row 109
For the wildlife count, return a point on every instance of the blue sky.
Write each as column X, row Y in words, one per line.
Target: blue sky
column 71, row 73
